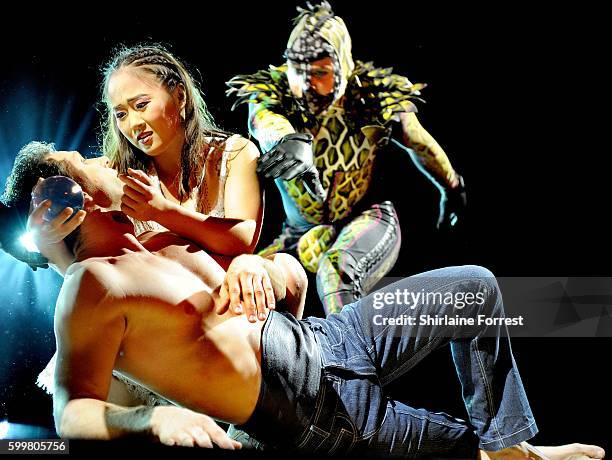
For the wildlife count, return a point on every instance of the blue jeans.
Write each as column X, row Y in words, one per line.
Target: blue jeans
column 361, row 355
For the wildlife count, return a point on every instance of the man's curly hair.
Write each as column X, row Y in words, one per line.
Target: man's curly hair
column 30, row 164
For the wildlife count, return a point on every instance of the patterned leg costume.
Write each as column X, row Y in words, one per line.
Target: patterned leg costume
column 365, row 250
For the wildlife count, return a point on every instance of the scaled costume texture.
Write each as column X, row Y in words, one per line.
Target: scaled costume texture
column 334, row 237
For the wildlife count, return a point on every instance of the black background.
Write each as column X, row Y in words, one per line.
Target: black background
column 512, row 96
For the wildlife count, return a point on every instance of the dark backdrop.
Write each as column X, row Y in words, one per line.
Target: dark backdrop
column 512, row 98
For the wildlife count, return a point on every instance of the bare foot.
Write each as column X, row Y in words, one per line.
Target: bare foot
column 525, row 451
column 572, row 452
column 522, row 451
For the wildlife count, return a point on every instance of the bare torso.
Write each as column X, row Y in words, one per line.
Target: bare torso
column 174, row 342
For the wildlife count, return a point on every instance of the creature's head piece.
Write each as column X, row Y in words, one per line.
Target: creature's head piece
column 319, row 33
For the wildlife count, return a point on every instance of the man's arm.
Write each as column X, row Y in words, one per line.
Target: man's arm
column 89, row 327
column 171, row 425
column 88, row 330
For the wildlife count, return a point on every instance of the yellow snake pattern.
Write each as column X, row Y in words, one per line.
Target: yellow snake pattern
column 345, row 164
column 313, row 244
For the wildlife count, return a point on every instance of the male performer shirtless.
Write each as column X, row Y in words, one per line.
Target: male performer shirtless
column 149, row 308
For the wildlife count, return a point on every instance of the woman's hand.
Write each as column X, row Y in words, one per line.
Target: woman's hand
column 142, row 199
column 247, row 283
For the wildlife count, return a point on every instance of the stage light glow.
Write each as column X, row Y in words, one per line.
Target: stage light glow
column 44, row 109
column 27, row 240
column 46, row 112
column 4, row 428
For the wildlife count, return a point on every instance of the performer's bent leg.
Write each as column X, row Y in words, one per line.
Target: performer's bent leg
column 373, row 338
column 415, row 433
column 364, row 251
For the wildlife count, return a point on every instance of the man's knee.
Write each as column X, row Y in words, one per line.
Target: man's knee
column 474, row 289
column 487, row 289
column 476, row 271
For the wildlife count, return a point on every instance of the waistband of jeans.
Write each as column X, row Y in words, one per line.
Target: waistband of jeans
column 291, row 375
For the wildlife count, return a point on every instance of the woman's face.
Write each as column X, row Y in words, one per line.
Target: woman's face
column 147, row 114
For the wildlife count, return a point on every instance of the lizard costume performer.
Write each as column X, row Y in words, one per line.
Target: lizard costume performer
column 348, row 244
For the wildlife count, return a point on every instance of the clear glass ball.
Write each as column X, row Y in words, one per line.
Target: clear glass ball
column 63, row 193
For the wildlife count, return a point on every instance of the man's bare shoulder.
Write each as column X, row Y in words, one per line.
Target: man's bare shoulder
column 89, row 283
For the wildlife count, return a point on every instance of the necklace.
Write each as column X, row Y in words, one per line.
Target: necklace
column 172, row 184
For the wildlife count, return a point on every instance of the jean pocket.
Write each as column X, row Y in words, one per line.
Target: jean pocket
column 313, row 440
column 343, row 435
column 339, row 441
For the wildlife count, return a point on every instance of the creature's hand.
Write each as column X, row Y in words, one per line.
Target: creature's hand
column 247, row 283
column 183, row 427
column 292, row 158
column 141, row 199
column 452, row 205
